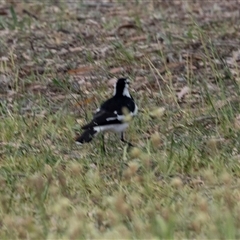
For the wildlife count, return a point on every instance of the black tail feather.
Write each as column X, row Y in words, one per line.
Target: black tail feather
column 87, row 136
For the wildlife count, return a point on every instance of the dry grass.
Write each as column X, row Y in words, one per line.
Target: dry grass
column 57, row 63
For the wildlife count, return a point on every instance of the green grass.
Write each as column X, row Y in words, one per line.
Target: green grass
column 180, row 181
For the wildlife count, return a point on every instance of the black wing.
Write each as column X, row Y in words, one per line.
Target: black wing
column 116, row 104
column 101, row 118
column 111, row 112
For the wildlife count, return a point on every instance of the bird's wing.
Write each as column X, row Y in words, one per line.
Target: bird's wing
column 112, row 112
column 117, row 104
column 102, row 118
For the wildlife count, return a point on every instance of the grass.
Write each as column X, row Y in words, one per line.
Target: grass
column 182, row 178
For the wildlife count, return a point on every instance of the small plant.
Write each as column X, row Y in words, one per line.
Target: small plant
column 58, row 62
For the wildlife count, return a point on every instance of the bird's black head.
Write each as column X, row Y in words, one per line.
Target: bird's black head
column 121, row 87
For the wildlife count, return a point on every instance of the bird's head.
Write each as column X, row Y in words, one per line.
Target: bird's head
column 121, row 87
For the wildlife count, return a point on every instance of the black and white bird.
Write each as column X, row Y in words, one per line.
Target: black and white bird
column 113, row 115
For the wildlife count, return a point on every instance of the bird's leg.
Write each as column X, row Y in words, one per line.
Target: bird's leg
column 103, row 144
column 123, row 140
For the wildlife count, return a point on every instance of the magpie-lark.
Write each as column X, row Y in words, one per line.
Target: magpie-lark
column 113, row 114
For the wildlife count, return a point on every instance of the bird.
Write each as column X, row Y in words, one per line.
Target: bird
column 113, row 115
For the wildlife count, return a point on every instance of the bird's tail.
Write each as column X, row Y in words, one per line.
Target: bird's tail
column 86, row 137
